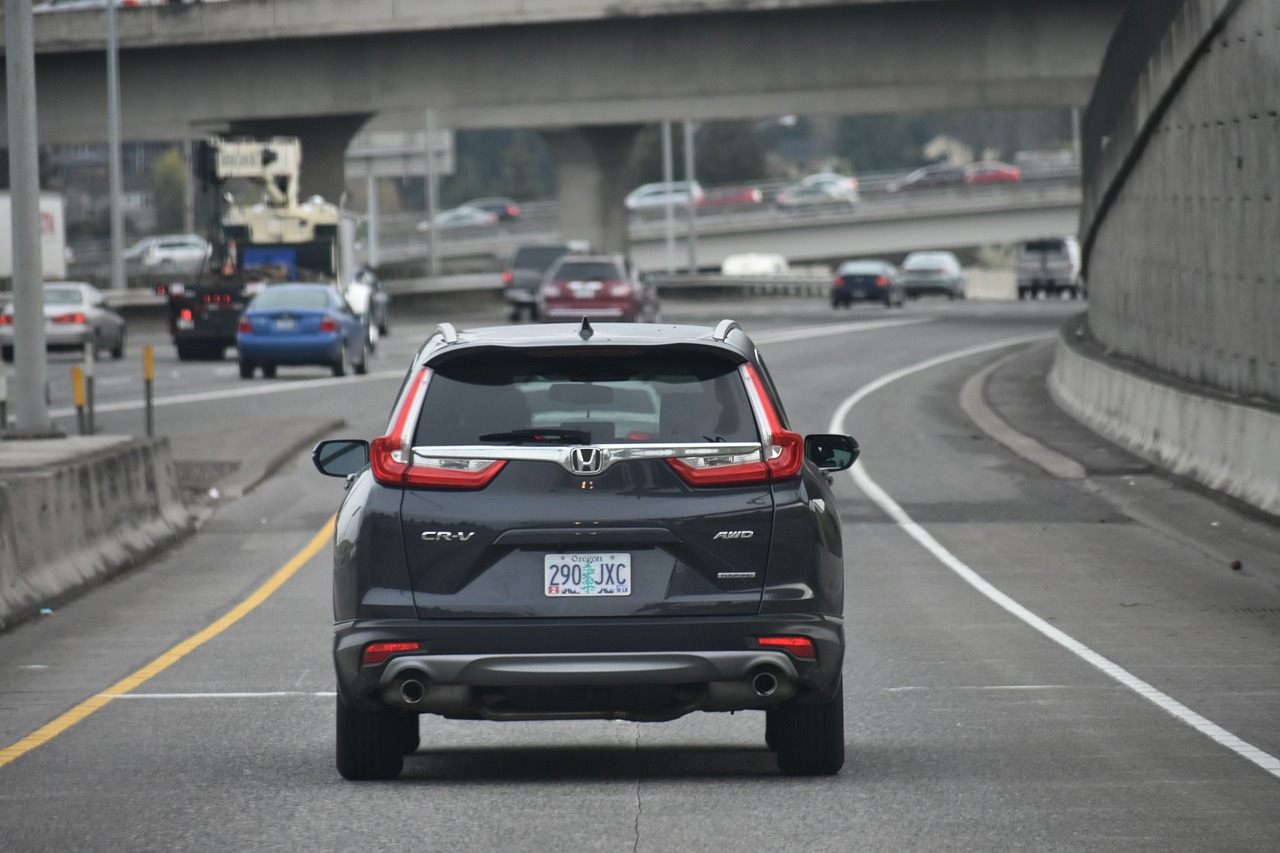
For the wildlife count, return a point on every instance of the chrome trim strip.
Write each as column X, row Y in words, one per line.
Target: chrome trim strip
column 562, row 454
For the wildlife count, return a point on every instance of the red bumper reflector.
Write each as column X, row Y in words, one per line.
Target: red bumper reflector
column 801, row 647
column 378, row 652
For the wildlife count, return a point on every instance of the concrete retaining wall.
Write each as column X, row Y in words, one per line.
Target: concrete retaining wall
column 76, row 511
column 1226, row 446
column 1182, row 197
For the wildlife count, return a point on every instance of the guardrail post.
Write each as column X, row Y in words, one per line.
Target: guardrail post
column 90, row 354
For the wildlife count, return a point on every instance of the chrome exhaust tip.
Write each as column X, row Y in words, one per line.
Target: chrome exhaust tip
column 764, row 683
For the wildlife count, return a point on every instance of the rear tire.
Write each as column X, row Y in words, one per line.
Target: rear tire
column 246, row 370
column 117, row 352
column 340, row 366
column 810, row 738
column 370, row 744
column 268, row 371
column 362, row 366
column 6, row 353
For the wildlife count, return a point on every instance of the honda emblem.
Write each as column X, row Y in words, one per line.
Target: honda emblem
column 587, row 460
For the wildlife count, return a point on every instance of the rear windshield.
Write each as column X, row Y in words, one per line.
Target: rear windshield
column 603, row 398
column 1045, row 246
column 588, row 271
column 292, row 297
column 538, row 258
column 63, row 296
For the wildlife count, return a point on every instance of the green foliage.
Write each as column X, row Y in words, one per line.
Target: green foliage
column 169, row 175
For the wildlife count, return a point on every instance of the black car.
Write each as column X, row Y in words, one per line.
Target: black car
column 524, row 273
column 867, row 281
column 588, row 522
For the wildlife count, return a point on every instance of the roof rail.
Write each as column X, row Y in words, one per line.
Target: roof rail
column 724, row 328
column 448, row 332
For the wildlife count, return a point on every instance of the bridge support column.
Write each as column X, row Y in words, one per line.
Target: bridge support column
column 324, row 144
column 591, row 175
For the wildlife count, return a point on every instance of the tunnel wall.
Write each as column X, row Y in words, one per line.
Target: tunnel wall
column 1179, row 222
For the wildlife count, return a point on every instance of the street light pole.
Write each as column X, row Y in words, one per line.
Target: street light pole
column 113, row 150
column 693, row 210
column 668, row 177
column 30, row 406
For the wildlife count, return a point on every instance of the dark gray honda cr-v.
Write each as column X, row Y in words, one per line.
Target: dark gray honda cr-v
column 567, row 522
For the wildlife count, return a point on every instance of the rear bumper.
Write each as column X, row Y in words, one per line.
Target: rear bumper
column 291, row 350
column 642, row 669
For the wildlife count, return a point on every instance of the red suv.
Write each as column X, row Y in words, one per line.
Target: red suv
column 599, row 287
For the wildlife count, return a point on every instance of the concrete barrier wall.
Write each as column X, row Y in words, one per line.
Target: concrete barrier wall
column 76, row 511
column 1182, row 199
column 1224, row 445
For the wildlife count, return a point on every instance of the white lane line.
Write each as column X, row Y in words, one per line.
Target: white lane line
column 1167, row 703
column 255, row 390
column 783, row 335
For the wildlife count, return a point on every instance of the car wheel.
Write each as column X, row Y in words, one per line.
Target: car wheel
column 269, row 371
column 6, row 353
column 810, row 738
column 246, row 370
column 370, row 744
column 361, row 367
column 373, row 336
column 340, row 366
column 117, row 352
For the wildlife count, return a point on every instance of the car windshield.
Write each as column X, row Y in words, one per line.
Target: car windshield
column 63, row 296
column 588, row 271
column 601, row 397
column 292, row 297
column 1045, row 246
column 537, row 257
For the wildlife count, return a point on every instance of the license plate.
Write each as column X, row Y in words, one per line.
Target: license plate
column 285, row 324
column 587, row 574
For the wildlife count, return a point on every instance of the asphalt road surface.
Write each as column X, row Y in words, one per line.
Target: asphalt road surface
column 1034, row 662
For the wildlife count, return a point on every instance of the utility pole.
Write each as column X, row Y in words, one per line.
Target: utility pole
column 113, row 151
column 31, row 407
column 668, row 177
column 693, row 209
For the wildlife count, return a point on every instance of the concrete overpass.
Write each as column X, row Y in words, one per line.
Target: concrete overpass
column 586, row 72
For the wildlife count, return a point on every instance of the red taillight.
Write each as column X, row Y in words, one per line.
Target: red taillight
column 328, row 324
column 882, row 281
column 780, row 456
column 507, row 278
column 462, row 474
column 244, row 327
column 378, row 652
column 513, row 211
column 837, row 281
column 185, row 314
column 6, row 319
column 801, row 647
column 75, row 317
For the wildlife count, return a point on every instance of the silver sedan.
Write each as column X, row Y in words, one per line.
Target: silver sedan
column 75, row 314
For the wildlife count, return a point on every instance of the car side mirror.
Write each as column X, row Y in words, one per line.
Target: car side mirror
column 341, row 457
column 831, row 452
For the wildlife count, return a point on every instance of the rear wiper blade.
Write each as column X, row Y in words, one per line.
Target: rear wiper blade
column 547, row 435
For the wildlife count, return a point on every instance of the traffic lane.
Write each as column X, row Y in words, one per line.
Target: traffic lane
column 210, row 755
column 1150, row 595
column 1035, row 535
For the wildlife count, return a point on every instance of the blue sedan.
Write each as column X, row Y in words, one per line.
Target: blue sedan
column 301, row 324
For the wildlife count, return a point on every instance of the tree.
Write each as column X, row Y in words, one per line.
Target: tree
column 169, row 177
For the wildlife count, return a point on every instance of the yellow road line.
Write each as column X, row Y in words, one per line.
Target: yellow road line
column 51, row 730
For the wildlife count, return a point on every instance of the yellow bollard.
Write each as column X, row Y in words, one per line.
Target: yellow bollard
column 77, row 389
column 148, row 384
